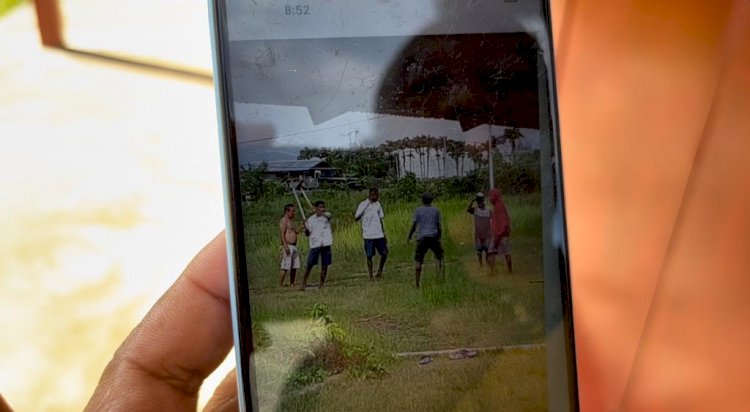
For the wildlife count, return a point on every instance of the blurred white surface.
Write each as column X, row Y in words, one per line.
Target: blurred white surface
column 171, row 32
column 109, row 184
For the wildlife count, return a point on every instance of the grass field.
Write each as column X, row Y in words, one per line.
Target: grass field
column 346, row 359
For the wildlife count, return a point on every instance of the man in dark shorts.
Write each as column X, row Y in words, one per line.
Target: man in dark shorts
column 373, row 232
column 482, row 235
column 319, row 233
column 427, row 223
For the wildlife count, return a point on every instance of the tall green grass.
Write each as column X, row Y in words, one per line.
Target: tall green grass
column 466, row 308
column 262, row 238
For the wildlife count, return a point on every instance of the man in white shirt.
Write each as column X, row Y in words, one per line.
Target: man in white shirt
column 319, row 233
column 370, row 212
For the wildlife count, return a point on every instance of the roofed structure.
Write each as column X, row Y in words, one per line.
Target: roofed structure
column 293, row 167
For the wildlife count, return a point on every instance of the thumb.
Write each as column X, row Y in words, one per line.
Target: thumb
column 225, row 396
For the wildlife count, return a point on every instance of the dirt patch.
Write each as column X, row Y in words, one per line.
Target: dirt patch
column 312, row 368
column 331, row 358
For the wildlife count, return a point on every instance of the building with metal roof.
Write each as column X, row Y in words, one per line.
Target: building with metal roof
column 293, row 167
column 292, row 172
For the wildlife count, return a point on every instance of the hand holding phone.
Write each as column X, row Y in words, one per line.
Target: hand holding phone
column 184, row 331
column 357, row 99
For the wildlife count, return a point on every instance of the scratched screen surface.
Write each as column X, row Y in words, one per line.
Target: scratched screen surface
column 431, row 294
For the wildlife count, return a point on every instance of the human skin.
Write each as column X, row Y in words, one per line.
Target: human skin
column 654, row 98
column 183, row 338
column 653, row 102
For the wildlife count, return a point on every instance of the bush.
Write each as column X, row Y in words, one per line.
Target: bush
column 407, row 188
column 476, row 181
column 337, row 354
column 274, row 189
column 522, row 175
column 369, row 181
column 252, row 180
column 363, row 363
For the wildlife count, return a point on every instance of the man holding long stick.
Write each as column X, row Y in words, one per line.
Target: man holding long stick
column 319, row 231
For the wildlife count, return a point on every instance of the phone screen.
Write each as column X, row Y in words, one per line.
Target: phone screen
column 395, row 205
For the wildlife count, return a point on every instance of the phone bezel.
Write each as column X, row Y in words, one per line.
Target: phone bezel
column 238, row 277
column 239, row 290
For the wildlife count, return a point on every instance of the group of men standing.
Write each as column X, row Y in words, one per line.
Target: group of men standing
column 319, row 231
column 318, row 228
column 491, row 234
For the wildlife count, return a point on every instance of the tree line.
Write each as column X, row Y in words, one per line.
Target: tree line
column 390, row 159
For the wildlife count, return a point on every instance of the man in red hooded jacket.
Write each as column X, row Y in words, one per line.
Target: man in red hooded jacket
column 500, row 229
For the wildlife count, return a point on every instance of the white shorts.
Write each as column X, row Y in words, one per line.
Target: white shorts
column 290, row 261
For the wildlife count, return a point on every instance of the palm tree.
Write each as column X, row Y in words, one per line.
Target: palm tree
column 403, row 145
column 476, row 154
column 456, row 150
column 462, row 152
column 429, row 148
column 427, row 140
column 396, row 145
column 387, row 150
column 439, row 171
column 512, row 135
column 421, row 144
column 443, row 142
column 410, row 145
column 416, row 153
column 431, row 145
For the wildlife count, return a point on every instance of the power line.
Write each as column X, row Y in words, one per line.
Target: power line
column 272, row 137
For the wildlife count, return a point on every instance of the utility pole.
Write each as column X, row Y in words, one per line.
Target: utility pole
column 491, row 162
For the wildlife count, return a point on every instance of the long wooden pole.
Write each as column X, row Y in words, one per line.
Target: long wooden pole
column 299, row 204
column 304, row 194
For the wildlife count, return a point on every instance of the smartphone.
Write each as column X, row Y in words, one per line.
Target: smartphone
column 395, row 214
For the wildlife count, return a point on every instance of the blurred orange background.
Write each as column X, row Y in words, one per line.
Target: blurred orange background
column 654, row 100
column 103, row 163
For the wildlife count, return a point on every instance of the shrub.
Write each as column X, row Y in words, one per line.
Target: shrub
column 274, row 189
column 337, row 354
column 522, row 175
column 406, row 188
column 252, row 180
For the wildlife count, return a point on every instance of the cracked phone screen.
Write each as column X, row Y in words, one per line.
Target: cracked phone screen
column 400, row 212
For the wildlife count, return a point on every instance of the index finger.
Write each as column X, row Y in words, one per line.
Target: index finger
column 184, row 337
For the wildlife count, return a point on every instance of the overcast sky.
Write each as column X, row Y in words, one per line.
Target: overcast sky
column 323, row 92
column 265, row 125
